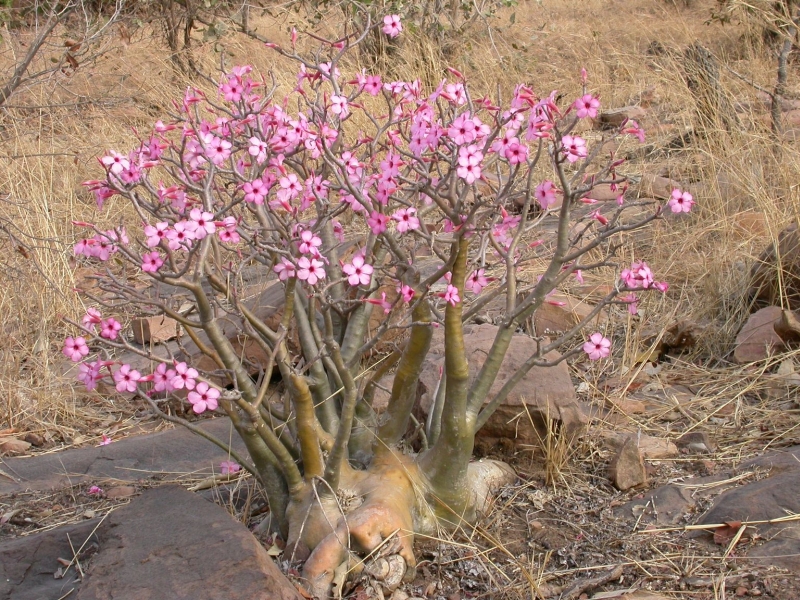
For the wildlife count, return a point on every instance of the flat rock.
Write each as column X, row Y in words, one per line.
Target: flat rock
column 130, row 459
column 758, row 338
column 170, row 543
column 769, row 498
column 28, row 564
column 651, row 448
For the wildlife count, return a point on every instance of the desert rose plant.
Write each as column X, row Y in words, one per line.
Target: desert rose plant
column 335, row 188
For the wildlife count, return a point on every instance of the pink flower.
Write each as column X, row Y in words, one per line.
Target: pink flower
column 126, row 378
column 156, row 233
column 406, row 221
column 115, row 163
column 680, row 201
column 462, row 131
column 185, row 377
column 203, row 223
column 339, row 106
column 477, row 281
column 229, row 467
column 151, row 262
column 373, row 85
column 358, row 272
column 109, row 328
column 218, row 150
column 633, row 128
column 162, row 378
column 574, row 147
column 310, row 270
column 89, row 374
column 392, row 26
column 587, row 106
column 285, row 269
column 75, row 348
column 546, row 194
column 181, row 235
column 661, row 286
column 469, row 163
column 309, row 243
column 105, row 441
column 451, row 295
column 382, row 301
column 377, row 222
column 406, row 292
column 204, row 397
column 95, row 491
column 516, row 153
column 257, row 149
column 638, row 276
column 597, row 347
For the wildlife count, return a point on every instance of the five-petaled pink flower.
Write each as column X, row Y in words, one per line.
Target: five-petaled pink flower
column 109, row 328
column 203, row 397
column 151, row 262
column 392, row 26
column 574, row 147
column 285, row 269
column 377, row 222
column 358, row 272
column 406, row 221
column 75, row 348
column 546, row 194
column 477, row 281
column 597, row 347
column 126, row 378
column 586, row 106
column 310, row 270
column 185, row 377
column 680, row 201
column 162, row 378
column 451, row 295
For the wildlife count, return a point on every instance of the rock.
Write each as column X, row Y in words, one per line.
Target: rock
column 611, row 119
column 120, row 491
column 651, row 448
column 158, row 455
column 764, row 499
column 10, row 446
column 561, row 313
column 758, row 338
column 28, row 564
column 154, row 330
column 667, row 505
column 545, row 394
column 627, row 406
column 695, row 442
column 627, row 468
column 767, row 283
column 170, row 543
column 655, row 186
column 34, row 439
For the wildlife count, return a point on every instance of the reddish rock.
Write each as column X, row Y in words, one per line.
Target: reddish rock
column 545, row 393
column 650, row 447
column 611, row 119
column 170, row 543
column 10, row 446
column 758, row 338
column 561, row 313
column 627, row 468
column 154, row 330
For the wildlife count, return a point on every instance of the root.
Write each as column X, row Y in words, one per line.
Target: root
column 377, row 536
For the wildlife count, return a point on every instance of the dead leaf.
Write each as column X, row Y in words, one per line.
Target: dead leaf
column 723, row 535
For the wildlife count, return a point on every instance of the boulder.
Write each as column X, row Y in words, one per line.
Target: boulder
column 776, row 273
column 758, row 338
column 170, row 543
column 546, row 393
